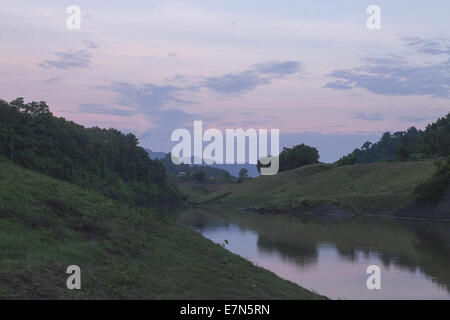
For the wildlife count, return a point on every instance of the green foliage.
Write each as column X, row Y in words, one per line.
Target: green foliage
column 347, row 160
column 243, row 174
column 434, row 188
column 297, row 156
column 200, row 176
column 101, row 159
column 300, row 155
column 190, row 170
column 413, row 144
column 436, row 140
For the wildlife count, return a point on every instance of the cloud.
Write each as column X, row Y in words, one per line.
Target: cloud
column 432, row 46
column 159, row 104
column 51, row 80
column 72, row 58
column 235, row 83
column 147, row 97
column 369, row 116
column 90, row 44
column 339, row 85
column 162, row 104
column 69, row 59
column 257, row 75
column 413, row 119
column 279, row 68
column 392, row 75
column 103, row 109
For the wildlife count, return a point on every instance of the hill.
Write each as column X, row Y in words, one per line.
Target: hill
column 376, row 188
column 191, row 169
column 412, row 144
column 104, row 160
column 155, row 154
column 213, row 170
column 123, row 251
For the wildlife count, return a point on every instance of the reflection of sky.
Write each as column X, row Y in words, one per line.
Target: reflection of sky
column 309, row 68
column 331, row 274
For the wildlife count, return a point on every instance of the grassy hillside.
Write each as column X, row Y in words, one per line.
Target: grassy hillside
column 104, row 160
column 364, row 188
column 123, row 252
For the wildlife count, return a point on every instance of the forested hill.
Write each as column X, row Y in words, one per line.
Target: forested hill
column 413, row 144
column 102, row 159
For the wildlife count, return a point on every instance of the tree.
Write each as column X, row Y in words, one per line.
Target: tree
column 200, row 176
column 243, row 174
column 297, row 156
column 366, row 145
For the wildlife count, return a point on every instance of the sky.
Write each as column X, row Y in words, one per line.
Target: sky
column 311, row 69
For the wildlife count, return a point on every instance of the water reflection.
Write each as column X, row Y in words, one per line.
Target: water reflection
column 330, row 255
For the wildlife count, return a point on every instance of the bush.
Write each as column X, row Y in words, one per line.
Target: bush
column 243, row 174
column 291, row 158
column 200, row 176
column 434, row 189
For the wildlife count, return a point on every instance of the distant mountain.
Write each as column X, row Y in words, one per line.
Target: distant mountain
column 210, row 171
column 232, row 169
column 154, row 154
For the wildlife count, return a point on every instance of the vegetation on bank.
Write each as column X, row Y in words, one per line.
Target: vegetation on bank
column 434, row 188
column 124, row 252
column 362, row 188
column 104, row 160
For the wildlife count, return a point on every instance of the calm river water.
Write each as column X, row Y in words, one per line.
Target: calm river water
column 331, row 255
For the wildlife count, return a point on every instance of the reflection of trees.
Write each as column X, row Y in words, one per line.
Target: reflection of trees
column 200, row 220
column 302, row 255
column 408, row 245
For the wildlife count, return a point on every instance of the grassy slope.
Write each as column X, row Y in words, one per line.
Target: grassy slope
column 124, row 252
column 377, row 187
column 196, row 190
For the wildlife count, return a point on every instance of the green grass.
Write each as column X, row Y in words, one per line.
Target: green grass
column 195, row 190
column 123, row 252
column 363, row 188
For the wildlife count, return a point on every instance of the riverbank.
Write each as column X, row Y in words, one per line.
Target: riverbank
column 362, row 189
column 124, row 252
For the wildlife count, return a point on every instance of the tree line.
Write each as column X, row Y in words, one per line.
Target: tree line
column 412, row 144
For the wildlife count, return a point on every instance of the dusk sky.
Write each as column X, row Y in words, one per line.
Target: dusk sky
column 309, row 68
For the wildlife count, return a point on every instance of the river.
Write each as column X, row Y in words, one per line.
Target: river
column 330, row 255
